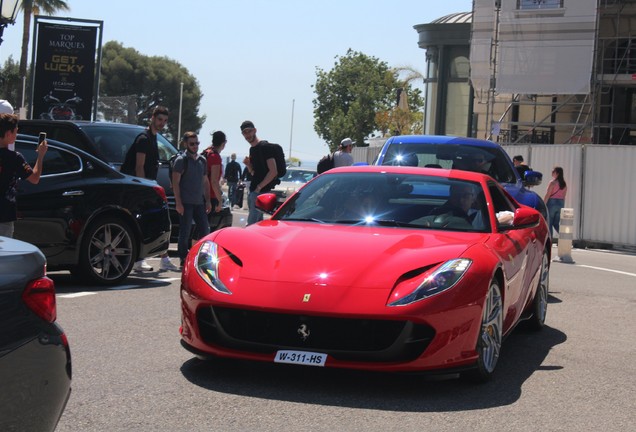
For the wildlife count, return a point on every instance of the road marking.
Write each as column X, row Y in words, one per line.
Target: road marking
column 607, row 270
column 79, row 294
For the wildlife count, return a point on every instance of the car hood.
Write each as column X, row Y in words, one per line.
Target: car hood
column 362, row 256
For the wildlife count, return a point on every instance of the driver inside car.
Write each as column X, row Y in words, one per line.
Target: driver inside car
column 462, row 203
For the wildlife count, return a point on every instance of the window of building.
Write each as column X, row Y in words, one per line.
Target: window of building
column 539, row 4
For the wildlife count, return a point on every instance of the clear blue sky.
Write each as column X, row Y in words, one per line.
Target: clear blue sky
column 253, row 58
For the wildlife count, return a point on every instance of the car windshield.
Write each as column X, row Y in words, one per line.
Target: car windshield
column 298, row 176
column 491, row 161
column 113, row 142
column 390, row 199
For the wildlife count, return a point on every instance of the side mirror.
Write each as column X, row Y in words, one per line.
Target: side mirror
column 267, row 202
column 532, row 178
column 525, row 217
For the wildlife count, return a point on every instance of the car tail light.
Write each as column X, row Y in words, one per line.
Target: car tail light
column 161, row 192
column 39, row 296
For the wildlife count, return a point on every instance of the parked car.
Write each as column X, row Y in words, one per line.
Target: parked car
column 35, row 357
column 366, row 268
column 110, row 142
column 292, row 180
column 458, row 152
column 87, row 217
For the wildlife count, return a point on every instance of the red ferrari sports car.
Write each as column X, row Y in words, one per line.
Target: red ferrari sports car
column 380, row 268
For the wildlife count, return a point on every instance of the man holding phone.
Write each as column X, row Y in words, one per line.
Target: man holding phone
column 13, row 166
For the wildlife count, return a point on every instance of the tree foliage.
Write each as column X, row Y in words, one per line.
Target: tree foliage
column 11, row 82
column 156, row 81
column 350, row 96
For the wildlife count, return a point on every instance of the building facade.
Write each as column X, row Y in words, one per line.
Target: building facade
column 533, row 72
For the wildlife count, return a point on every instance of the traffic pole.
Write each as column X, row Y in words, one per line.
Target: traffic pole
column 566, row 233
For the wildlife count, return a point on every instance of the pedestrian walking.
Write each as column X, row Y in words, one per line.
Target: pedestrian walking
column 142, row 160
column 555, row 198
column 215, row 169
column 261, row 165
column 232, row 176
column 191, row 193
column 13, row 166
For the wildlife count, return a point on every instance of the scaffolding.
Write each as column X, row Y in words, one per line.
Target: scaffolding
column 606, row 115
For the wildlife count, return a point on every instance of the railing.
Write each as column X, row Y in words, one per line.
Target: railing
column 520, row 136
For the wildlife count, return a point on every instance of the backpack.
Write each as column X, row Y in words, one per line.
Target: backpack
column 325, row 164
column 279, row 157
column 171, row 162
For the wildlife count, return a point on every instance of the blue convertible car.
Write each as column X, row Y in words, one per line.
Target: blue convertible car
column 469, row 154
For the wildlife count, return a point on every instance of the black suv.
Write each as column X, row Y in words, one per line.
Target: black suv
column 110, row 142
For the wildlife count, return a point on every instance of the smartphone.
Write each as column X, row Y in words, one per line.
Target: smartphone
column 42, row 137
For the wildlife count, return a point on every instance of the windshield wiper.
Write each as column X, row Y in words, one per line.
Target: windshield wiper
column 396, row 223
column 303, row 220
column 382, row 222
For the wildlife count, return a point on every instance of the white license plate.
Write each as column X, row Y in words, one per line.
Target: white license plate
column 301, row 357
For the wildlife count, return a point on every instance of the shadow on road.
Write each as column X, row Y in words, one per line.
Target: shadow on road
column 66, row 283
column 523, row 354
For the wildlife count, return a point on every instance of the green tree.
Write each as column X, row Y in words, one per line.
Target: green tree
column 30, row 8
column 350, row 96
column 156, row 81
column 11, row 82
column 407, row 116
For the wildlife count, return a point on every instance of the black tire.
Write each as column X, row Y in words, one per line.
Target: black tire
column 490, row 336
column 540, row 301
column 108, row 251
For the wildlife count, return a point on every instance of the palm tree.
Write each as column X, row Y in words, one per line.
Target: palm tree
column 35, row 7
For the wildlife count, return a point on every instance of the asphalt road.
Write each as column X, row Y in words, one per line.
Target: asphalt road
column 131, row 374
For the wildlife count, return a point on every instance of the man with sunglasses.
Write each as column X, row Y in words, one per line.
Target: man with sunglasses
column 191, row 193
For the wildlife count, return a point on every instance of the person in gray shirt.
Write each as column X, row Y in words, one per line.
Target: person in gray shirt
column 343, row 156
column 191, row 193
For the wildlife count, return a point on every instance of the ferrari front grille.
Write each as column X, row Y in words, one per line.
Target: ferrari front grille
column 343, row 338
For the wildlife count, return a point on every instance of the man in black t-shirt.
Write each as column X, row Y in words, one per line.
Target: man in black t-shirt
column 142, row 160
column 262, row 166
column 520, row 166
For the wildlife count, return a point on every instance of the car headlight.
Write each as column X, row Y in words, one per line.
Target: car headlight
column 207, row 265
column 444, row 277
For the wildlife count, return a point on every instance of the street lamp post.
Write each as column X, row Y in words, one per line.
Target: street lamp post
column 9, row 10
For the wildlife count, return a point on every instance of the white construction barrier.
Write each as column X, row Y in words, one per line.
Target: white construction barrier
column 566, row 233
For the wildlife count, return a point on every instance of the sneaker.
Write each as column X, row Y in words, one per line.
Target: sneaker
column 166, row 265
column 142, row 266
